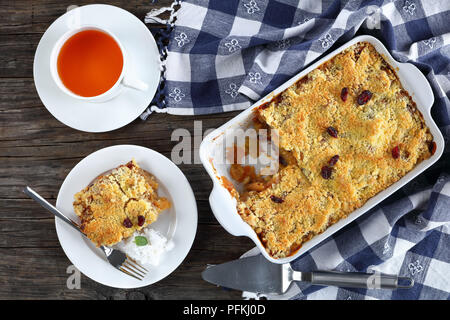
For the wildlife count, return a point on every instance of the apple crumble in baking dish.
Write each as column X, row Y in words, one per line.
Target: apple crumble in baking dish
column 347, row 130
column 117, row 204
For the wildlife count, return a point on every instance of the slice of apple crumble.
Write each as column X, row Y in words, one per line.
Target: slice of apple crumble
column 117, row 204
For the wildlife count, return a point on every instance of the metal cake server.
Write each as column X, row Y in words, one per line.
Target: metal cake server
column 257, row 274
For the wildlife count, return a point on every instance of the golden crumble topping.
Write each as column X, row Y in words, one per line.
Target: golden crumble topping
column 115, row 205
column 348, row 130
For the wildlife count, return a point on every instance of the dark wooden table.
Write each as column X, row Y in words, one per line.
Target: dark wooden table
column 38, row 150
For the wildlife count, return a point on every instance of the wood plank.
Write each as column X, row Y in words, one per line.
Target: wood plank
column 23, row 117
column 19, row 233
column 33, row 144
column 23, row 25
column 28, row 209
column 41, row 273
column 19, row 269
column 18, row 95
column 38, row 150
column 17, row 54
column 47, row 175
column 41, row 233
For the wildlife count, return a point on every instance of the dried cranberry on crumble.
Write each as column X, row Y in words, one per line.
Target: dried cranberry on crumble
column 326, row 172
column 333, row 160
column 276, row 199
column 364, row 97
column 332, row 132
column 396, row 152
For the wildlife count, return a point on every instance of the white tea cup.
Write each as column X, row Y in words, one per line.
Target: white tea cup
column 124, row 80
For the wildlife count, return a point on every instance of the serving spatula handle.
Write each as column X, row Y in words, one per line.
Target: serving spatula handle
column 356, row 280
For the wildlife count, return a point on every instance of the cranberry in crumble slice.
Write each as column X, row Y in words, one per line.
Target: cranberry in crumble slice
column 141, row 220
column 127, row 223
column 344, row 94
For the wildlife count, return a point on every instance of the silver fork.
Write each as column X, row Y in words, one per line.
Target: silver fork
column 116, row 258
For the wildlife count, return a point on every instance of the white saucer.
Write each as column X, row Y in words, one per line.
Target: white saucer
column 179, row 223
column 144, row 64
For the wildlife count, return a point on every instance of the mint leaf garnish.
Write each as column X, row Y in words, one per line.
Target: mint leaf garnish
column 140, row 241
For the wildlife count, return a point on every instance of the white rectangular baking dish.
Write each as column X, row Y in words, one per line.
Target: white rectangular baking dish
column 223, row 204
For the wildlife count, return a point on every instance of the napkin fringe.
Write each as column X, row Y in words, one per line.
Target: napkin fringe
column 158, row 104
column 152, row 17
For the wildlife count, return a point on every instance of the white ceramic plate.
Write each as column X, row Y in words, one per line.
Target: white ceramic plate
column 143, row 64
column 179, row 223
column 223, row 204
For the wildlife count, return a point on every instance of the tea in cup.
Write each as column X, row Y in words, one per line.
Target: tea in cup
column 89, row 63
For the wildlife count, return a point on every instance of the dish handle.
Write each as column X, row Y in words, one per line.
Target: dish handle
column 423, row 94
column 225, row 211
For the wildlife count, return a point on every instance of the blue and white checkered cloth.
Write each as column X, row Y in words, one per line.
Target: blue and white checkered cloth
column 223, row 55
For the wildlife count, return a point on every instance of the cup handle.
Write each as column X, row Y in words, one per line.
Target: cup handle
column 134, row 83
